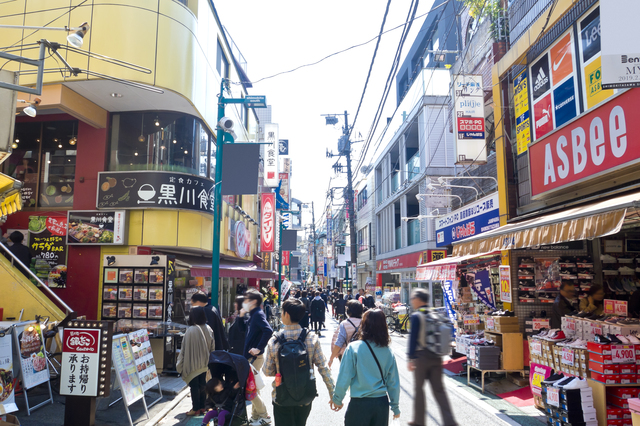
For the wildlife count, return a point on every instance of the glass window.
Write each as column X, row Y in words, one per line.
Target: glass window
column 222, row 64
column 44, row 158
column 165, row 141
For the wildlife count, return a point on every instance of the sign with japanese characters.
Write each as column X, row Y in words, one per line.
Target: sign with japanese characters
column 505, row 284
column 90, row 227
column 80, row 362
column 48, row 245
column 615, row 307
column 143, row 356
column 271, row 155
column 469, row 119
column 126, row 369
column 470, row 220
column 521, row 103
column 267, row 222
column 154, row 189
column 33, row 363
column 7, row 395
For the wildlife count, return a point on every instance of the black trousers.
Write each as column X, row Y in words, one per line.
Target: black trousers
column 291, row 416
column 198, row 391
column 367, row 412
column 317, row 325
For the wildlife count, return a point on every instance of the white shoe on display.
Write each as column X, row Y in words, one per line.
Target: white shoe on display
column 576, row 384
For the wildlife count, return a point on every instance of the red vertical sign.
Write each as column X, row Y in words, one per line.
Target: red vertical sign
column 285, row 258
column 267, row 222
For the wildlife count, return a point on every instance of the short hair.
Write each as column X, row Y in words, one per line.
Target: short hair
column 316, row 294
column 373, row 328
column 212, row 384
column 295, row 309
column 565, row 284
column 239, row 302
column 200, row 297
column 16, row 237
column 361, row 289
column 304, row 293
column 340, row 296
column 594, row 289
column 354, row 309
column 349, row 291
column 197, row 316
column 253, row 294
column 422, row 294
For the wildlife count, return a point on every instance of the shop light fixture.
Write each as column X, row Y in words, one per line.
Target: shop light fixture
column 154, row 260
column 31, row 109
column 175, row 141
column 73, row 141
column 76, row 39
column 59, row 145
column 111, row 260
column 14, row 145
column 186, row 152
column 116, row 95
column 17, row 140
column 156, row 121
column 141, row 138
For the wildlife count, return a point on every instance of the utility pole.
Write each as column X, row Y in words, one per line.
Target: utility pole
column 350, row 207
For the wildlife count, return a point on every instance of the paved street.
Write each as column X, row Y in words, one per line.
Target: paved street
column 470, row 406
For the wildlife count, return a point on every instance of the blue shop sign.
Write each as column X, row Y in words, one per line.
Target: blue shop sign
column 468, row 221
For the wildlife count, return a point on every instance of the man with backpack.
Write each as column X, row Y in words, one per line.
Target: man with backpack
column 290, row 357
column 430, row 339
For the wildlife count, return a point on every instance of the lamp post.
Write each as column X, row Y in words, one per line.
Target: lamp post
column 249, row 102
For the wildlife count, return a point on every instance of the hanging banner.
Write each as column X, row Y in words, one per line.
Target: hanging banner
column 7, row 395
column 48, row 245
column 469, row 119
column 285, row 187
column 505, row 284
column 80, row 362
column 267, row 222
column 480, row 283
column 449, row 300
column 521, row 103
column 145, row 363
column 33, row 363
column 285, row 258
column 126, row 370
column 329, row 226
column 271, row 162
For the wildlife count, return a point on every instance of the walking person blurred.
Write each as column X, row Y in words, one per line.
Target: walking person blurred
column 258, row 334
column 425, row 364
column 193, row 359
column 339, row 306
column 347, row 331
column 317, row 310
column 369, row 370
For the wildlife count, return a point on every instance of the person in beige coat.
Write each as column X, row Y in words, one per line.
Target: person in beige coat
column 193, row 359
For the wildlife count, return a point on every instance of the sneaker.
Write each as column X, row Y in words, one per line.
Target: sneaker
column 558, row 336
column 613, row 339
column 633, row 339
column 623, row 339
column 563, row 383
column 553, row 378
column 261, row 422
column 578, row 383
column 598, row 338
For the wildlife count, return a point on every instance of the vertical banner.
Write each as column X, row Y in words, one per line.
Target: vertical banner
column 521, row 101
column 469, row 119
column 267, row 222
column 480, row 283
column 271, row 166
column 329, row 226
column 48, row 245
column 449, row 300
column 7, row 395
column 285, row 258
column 505, row 284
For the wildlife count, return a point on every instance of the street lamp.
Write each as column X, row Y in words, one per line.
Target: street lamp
column 75, row 38
column 281, row 227
column 31, row 109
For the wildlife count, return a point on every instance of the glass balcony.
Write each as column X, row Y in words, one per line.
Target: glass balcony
column 413, row 167
column 398, row 237
column 414, row 232
column 395, row 182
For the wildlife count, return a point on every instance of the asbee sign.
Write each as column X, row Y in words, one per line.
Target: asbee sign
column 594, row 145
column 473, row 219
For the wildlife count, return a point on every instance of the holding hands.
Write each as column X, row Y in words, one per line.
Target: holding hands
column 335, row 407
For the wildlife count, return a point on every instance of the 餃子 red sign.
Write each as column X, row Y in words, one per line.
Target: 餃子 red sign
column 601, row 141
column 267, row 222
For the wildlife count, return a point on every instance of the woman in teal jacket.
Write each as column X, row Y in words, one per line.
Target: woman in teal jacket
column 369, row 369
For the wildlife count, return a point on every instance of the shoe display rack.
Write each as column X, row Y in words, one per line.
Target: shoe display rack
column 539, row 279
column 611, row 400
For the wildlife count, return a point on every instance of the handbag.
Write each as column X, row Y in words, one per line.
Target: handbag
column 257, row 376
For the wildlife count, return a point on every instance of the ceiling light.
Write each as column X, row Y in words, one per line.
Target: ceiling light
column 186, row 152
column 156, row 122
column 14, row 145
column 76, row 39
column 55, row 139
column 175, row 141
column 116, row 95
column 141, row 138
column 73, row 141
column 135, row 153
column 162, row 147
column 17, row 140
column 60, row 145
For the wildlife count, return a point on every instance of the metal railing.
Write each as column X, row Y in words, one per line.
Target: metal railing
column 71, row 314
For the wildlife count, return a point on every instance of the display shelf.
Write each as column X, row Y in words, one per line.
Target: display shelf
column 600, row 397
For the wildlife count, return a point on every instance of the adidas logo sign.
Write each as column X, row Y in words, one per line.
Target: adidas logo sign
column 541, row 80
column 625, row 59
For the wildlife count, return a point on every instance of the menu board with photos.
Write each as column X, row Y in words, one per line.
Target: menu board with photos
column 33, row 362
column 126, row 369
column 133, row 293
column 7, row 395
column 143, row 356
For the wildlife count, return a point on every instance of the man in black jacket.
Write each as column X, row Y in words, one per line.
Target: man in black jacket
column 214, row 320
column 258, row 334
column 20, row 251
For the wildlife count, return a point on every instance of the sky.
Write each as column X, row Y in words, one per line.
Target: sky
column 276, row 36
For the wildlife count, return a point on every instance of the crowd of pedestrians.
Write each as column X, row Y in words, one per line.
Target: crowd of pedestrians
column 361, row 343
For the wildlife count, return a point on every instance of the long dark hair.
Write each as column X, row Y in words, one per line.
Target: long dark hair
column 373, row 328
column 197, row 316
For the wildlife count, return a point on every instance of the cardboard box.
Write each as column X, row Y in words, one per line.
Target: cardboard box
column 9, row 420
column 598, row 348
column 609, row 379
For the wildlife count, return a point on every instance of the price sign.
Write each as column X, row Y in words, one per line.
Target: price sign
column 491, row 324
column 620, row 308
column 570, row 324
column 567, row 357
column 595, row 329
column 540, row 323
column 536, row 348
column 553, row 396
column 472, row 352
column 609, row 306
column 623, row 354
column 471, row 319
column 505, row 284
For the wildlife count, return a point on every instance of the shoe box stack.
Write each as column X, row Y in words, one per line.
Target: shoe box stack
column 485, row 357
column 501, row 323
column 619, row 402
column 541, row 352
column 634, row 407
column 614, row 368
column 571, row 361
column 568, row 402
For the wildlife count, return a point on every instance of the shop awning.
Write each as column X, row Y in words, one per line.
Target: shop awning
column 579, row 223
column 233, row 270
column 444, row 269
column 10, row 197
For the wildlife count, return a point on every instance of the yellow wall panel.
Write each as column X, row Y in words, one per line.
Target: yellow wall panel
column 160, row 228
column 176, row 48
column 207, row 232
column 180, row 13
column 189, row 229
column 134, row 232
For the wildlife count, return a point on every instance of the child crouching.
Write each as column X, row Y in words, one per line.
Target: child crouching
column 220, row 400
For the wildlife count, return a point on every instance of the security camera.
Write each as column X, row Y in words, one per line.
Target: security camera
column 226, row 124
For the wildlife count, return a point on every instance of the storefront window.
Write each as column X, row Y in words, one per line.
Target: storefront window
column 159, row 141
column 44, row 158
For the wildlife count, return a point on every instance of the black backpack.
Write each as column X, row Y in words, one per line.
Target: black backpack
column 298, row 385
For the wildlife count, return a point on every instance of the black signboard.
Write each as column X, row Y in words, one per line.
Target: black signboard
column 47, row 242
column 92, row 227
column 569, row 245
column 153, row 189
column 540, row 76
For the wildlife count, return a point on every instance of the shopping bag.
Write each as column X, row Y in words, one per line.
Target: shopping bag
column 251, row 391
column 257, row 376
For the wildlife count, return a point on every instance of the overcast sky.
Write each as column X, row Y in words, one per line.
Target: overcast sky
column 276, row 36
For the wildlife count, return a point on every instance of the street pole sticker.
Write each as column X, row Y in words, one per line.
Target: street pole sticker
column 623, row 354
